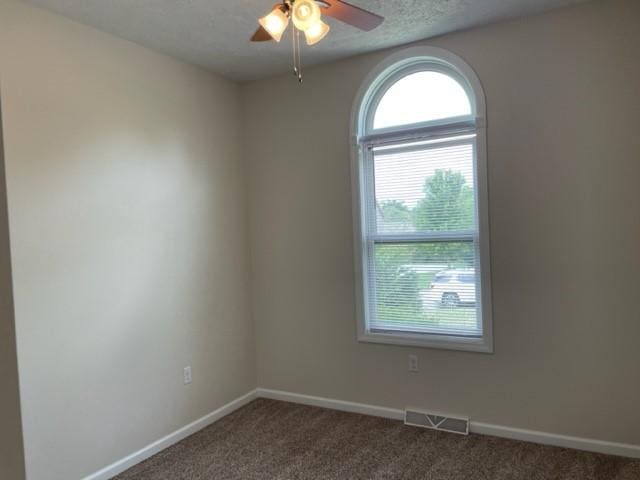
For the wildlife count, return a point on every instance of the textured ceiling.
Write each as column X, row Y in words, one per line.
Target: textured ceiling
column 215, row 33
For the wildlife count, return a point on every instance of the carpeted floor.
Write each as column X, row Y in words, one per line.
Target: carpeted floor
column 276, row 440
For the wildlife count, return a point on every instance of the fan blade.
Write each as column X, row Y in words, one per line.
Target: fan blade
column 347, row 13
column 261, row 35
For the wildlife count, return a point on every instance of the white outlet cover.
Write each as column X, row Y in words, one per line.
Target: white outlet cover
column 413, row 363
column 186, row 375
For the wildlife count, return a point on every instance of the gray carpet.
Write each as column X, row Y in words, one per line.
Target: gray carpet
column 277, row 440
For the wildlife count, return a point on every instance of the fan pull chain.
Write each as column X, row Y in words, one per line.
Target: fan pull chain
column 299, row 56
column 295, row 56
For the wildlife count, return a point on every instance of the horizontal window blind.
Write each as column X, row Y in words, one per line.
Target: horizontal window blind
column 422, row 237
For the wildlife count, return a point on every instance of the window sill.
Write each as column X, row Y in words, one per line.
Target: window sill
column 442, row 342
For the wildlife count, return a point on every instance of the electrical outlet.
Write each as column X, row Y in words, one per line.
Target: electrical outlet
column 186, row 375
column 413, row 363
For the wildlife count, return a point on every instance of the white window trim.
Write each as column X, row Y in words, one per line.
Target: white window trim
column 372, row 89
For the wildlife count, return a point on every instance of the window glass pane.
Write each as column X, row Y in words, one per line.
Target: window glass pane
column 422, row 287
column 421, row 97
column 425, row 187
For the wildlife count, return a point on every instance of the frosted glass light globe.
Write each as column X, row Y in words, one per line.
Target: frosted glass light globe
column 306, row 13
column 275, row 23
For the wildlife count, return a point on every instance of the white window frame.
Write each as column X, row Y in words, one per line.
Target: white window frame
column 379, row 80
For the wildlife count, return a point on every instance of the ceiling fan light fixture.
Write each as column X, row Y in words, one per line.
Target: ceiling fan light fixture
column 306, row 16
column 316, row 32
column 275, row 23
column 306, row 13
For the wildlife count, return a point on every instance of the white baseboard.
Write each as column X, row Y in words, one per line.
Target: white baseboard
column 165, row 442
column 586, row 444
column 577, row 443
column 352, row 407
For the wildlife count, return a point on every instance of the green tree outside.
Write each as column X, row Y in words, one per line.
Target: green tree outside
column 447, row 206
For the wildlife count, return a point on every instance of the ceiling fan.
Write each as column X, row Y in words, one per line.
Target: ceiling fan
column 307, row 18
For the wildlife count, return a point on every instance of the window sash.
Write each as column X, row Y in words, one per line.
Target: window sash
column 375, row 325
column 469, row 137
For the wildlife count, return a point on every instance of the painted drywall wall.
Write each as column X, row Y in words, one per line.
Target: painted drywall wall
column 11, row 448
column 129, row 241
column 564, row 154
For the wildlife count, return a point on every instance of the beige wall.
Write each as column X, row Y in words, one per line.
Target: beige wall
column 564, row 164
column 129, row 240
column 11, row 453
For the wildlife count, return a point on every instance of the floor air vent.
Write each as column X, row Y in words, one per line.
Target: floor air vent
column 437, row 421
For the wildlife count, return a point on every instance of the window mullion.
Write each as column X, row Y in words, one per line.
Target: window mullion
column 467, row 236
column 396, row 147
column 427, row 133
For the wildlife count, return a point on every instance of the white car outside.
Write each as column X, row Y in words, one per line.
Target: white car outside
column 451, row 288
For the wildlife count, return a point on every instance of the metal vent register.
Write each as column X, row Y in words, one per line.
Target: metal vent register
column 436, row 421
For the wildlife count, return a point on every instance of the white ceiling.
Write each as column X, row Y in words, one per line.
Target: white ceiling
column 215, row 33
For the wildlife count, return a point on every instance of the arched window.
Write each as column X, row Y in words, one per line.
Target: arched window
column 420, row 199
